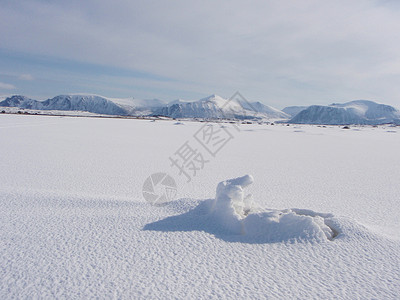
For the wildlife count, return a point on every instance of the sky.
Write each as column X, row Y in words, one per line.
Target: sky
column 278, row 52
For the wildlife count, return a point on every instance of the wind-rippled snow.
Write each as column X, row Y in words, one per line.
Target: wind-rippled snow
column 74, row 224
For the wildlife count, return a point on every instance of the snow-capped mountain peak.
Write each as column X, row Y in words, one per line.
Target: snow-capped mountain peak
column 217, row 107
column 17, row 101
column 222, row 103
column 84, row 102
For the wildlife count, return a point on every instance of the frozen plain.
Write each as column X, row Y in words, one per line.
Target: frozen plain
column 74, row 223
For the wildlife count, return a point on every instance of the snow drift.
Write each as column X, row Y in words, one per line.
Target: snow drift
column 238, row 214
column 234, row 216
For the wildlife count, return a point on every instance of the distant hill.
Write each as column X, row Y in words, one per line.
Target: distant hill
column 89, row 103
column 215, row 107
column 21, row 102
column 354, row 112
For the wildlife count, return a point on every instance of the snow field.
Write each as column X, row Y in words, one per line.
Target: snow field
column 74, row 224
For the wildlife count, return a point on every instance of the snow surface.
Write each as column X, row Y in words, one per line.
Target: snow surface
column 323, row 221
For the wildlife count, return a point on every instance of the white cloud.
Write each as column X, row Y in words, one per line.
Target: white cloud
column 6, row 86
column 27, row 77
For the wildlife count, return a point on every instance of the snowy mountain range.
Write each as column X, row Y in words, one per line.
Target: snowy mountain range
column 212, row 107
column 89, row 103
column 355, row 112
column 215, row 107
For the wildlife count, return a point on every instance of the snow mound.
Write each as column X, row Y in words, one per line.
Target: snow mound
column 238, row 214
column 233, row 216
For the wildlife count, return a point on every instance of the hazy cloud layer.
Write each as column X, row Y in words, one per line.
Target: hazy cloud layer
column 26, row 77
column 280, row 52
column 6, row 86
